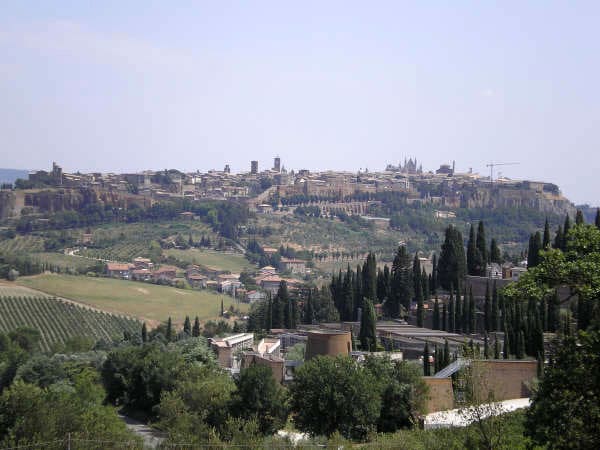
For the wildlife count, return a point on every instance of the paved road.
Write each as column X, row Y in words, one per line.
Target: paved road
column 151, row 437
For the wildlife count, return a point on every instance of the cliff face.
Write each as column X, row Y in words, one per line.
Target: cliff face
column 55, row 200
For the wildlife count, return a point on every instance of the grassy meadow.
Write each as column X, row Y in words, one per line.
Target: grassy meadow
column 143, row 300
column 233, row 262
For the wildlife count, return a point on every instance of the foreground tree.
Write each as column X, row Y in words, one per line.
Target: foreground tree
column 565, row 411
column 260, row 397
column 335, row 394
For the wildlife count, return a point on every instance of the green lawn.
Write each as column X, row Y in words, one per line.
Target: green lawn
column 143, row 300
column 225, row 261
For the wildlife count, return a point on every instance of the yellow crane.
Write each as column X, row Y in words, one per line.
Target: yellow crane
column 492, row 165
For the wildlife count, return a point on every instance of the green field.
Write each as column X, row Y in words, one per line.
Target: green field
column 57, row 321
column 232, row 262
column 64, row 262
column 143, row 300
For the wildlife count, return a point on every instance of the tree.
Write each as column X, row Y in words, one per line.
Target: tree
column 187, row 326
column 401, row 284
column 144, row 333
column 472, row 311
column 434, row 275
column 565, row 409
column 496, row 347
column 196, row 328
column 452, row 261
column 482, row 246
column 473, row 256
column 566, row 229
column 369, row 277
column 494, row 322
column 368, row 334
column 487, row 308
column 335, row 394
column 436, row 315
column 169, row 334
column 579, row 218
column 420, row 306
column 426, row 366
column 495, row 255
column 546, row 240
column 259, row 396
column 597, row 221
column 535, row 245
column 444, row 321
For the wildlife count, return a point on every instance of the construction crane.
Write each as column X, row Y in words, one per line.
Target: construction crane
column 492, row 165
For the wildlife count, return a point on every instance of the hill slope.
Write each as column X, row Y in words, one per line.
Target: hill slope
column 57, row 320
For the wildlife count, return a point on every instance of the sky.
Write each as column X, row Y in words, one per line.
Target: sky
column 134, row 85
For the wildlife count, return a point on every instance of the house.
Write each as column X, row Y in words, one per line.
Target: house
column 267, row 270
column 253, row 296
column 271, row 284
column 141, row 274
column 142, row 263
column 118, row 270
column 493, row 270
column 229, row 286
column 264, row 208
column 197, row 281
column 269, row 251
column 507, row 270
column 165, row 273
column 226, row 348
column 294, row 265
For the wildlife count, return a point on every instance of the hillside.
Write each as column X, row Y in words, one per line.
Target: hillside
column 57, row 320
column 143, row 300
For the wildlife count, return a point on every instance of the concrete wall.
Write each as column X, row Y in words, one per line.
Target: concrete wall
column 505, row 379
column 440, row 396
column 275, row 364
column 331, row 343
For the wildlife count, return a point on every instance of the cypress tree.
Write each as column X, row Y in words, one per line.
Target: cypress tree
column 268, row 319
column 458, row 316
column 420, row 306
column 487, row 308
column 554, row 313
column 434, row 277
column 535, row 245
column 486, row 347
column 520, row 345
column 357, row 292
column 222, row 309
column 293, row 314
column 495, row 255
column 472, row 323
column 546, row 240
column 187, row 326
column 401, row 291
column 597, row 221
column 579, row 218
column 496, row 347
column 559, row 238
column 472, row 256
column 451, row 314
column 566, row 229
column 445, row 317
column 436, row 315
column 144, row 333
column 309, row 312
column 347, row 302
column 369, row 277
column 417, row 284
column 169, row 335
column 196, row 328
column 452, row 264
column 436, row 359
column 481, row 247
column 368, row 335
column 425, row 284
column 495, row 320
column 426, row 366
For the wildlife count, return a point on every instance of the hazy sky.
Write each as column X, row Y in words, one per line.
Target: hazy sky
column 124, row 85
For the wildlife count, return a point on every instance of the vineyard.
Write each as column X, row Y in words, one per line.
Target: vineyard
column 20, row 245
column 119, row 252
column 58, row 321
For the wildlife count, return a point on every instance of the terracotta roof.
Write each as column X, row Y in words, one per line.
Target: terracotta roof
column 117, row 266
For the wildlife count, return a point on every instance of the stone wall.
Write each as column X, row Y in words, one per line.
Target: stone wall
column 440, row 396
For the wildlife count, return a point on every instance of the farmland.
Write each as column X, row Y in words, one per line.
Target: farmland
column 143, row 300
column 232, row 262
column 57, row 321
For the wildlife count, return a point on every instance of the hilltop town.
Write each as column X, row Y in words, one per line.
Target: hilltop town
column 267, row 190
